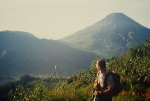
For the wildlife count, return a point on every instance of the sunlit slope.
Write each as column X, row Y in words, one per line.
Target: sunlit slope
column 112, row 36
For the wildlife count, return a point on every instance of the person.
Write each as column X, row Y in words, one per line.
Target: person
column 102, row 88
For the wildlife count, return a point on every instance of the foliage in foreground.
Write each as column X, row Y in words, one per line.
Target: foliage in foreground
column 133, row 69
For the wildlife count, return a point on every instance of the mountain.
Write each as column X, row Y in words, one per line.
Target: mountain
column 112, row 36
column 23, row 53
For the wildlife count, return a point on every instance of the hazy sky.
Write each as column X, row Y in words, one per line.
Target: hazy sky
column 54, row 19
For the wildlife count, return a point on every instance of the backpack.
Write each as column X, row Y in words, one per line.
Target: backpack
column 117, row 86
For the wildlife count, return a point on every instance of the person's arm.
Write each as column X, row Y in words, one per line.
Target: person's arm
column 109, row 88
column 104, row 92
column 95, row 85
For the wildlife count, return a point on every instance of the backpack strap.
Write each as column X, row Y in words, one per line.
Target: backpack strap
column 106, row 78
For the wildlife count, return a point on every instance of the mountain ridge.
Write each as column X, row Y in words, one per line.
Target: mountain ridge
column 111, row 36
column 21, row 54
column 20, row 33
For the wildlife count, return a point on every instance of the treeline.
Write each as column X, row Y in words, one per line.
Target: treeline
column 132, row 67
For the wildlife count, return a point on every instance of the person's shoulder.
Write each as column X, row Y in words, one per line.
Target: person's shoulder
column 108, row 74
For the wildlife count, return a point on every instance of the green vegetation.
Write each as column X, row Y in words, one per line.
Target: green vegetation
column 132, row 67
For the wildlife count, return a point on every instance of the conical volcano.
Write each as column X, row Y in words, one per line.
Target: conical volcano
column 112, row 36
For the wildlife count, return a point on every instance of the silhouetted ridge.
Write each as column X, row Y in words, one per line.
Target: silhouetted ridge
column 19, row 33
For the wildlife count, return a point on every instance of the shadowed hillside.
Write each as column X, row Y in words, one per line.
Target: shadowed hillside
column 22, row 53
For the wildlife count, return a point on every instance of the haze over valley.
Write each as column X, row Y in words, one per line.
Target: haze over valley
column 23, row 53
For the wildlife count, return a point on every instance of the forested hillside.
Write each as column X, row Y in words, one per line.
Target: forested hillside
column 134, row 69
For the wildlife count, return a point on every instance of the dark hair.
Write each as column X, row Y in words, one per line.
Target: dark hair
column 101, row 63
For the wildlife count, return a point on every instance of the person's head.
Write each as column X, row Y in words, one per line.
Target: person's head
column 101, row 65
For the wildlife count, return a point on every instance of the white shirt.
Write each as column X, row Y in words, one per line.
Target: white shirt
column 101, row 78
